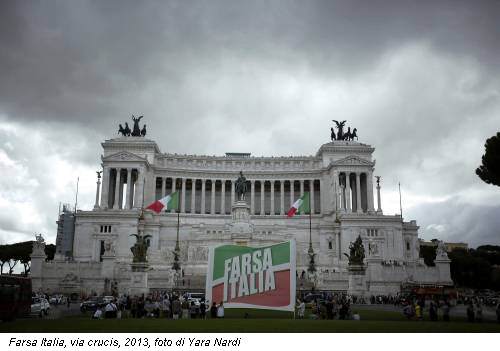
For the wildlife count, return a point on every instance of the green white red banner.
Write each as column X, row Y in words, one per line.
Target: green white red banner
column 252, row 277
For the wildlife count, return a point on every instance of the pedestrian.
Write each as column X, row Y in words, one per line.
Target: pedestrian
column 433, row 311
column 220, row 310
column 301, row 309
column 498, row 313
column 176, row 308
column 470, row 312
column 446, row 311
column 203, row 309
column 479, row 312
column 418, row 312
column 213, row 311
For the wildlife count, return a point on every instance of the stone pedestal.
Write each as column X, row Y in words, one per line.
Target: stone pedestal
column 241, row 228
column 357, row 280
column 443, row 267
column 37, row 260
column 139, row 279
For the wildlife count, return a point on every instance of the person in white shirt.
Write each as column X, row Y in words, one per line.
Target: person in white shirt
column 301, row 310
column 220, row 310
column 97, row 314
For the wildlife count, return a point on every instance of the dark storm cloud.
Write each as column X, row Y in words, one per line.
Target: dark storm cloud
column 418, row 78
column 82, row 61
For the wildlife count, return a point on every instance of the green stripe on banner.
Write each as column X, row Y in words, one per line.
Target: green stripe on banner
column 279, row 252
column 306, row 203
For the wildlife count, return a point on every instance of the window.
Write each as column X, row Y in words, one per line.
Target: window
column 330, row 245
column 408, row 245
column 101, row 250
column 105, row 229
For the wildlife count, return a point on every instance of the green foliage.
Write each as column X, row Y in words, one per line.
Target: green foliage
column 489, row 170
column 50, row 251
column 428, row 253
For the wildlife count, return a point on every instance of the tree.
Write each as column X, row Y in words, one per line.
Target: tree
column 489, row 171
column 50, row 251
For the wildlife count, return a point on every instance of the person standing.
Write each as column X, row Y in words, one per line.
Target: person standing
column 203, row 309
column 213, row 311
column 176, row 308
column 301, row 309
column 446, row 311
column 498, row 313
column 470, row 312
column 479, row 312
column 220, row 310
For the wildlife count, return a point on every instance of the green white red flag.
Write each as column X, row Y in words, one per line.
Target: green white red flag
column 302, row 204
column 252, row 277
column 169, row 202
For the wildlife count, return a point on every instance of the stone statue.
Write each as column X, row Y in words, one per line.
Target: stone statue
column 143, row 131
column 356, row 252
column 378, row 180
column 136, row 131
column 340, row 126
column 241, row 187
column 140, row 248
column 441, row 250
column 127, row 129
column 332, row 134
column 99, row 174
column 109, row 248
column 373, row 248
column 354, row 134
column 121, row 130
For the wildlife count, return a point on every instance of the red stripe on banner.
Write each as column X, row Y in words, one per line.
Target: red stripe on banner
column 291, row 212
column 273, row 298
column 156, row 206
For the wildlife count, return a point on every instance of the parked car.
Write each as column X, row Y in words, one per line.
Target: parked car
column 107, row 299
column 92, row 304
column 196, row 297
column 39, row 306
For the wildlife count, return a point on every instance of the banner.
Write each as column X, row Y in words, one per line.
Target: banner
column 252, row 277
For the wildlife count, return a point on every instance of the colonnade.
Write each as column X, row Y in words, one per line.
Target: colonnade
column 215, row 196
column 356, row 192
column 115, row 195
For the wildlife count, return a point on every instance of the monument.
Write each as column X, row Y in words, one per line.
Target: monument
column 237, row 199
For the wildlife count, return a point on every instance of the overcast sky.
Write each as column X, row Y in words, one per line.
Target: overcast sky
column 420, row 80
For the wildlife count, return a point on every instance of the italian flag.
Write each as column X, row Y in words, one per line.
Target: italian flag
column 169, row 202
column 302, row 205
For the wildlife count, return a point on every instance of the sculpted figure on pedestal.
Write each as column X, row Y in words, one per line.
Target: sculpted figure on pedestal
column 241, row 187
column 356, row 252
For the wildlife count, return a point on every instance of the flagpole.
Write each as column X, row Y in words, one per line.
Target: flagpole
column 400, row 203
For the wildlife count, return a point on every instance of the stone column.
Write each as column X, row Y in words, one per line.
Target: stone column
column 223, row 198
column 311, row 192
column 183, row 190
column 379, row 201
column 116, row 205
column 163, row 186
column 212, row 197
column 105, row 187
column 193, row 195
column 301, row 191
column 252, row 197
column 369, row 192
column 358, row 193
column 174, row 187
column 272, row 198
column 292, row 184
column 96, row 205
column 203, row 196
column 129, row 182
column 348, row 194
column 140, row 187
column 232, row 192
column 282, row 197
column 262, row 197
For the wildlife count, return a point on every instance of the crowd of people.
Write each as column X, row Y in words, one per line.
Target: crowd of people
column 159, row 305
